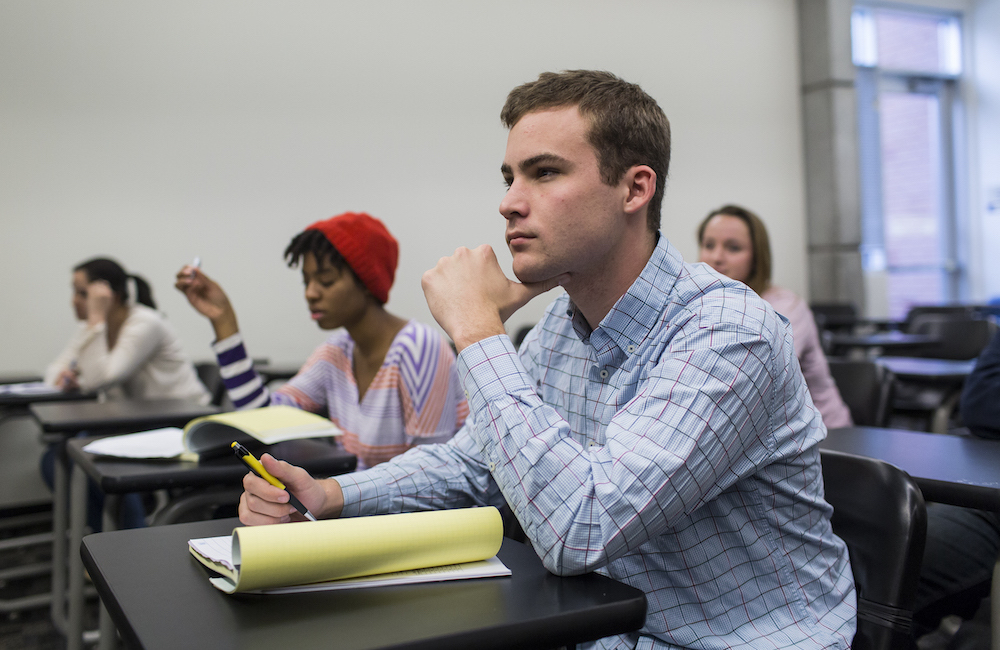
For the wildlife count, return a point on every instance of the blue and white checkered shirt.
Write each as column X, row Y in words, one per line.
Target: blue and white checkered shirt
column 673, row 448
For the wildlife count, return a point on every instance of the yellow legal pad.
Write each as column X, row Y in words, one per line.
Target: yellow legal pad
column 305, row 553
column 267, row 425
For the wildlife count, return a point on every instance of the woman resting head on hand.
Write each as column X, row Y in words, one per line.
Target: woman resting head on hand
column 123, row 346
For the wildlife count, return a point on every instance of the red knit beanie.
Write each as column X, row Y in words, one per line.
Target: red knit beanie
column 367, row 247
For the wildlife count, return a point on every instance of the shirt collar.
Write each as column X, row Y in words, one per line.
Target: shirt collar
column 638, row 311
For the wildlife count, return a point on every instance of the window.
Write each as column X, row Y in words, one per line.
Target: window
column 908, row 68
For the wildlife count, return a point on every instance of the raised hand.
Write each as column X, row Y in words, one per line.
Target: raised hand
column 208, row 299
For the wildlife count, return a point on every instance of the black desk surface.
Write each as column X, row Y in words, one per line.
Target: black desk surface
column 891, row 339
column 960, row 470
column 926, row 369
column 9, row 400
column 160, row 597
column 116, row 476
column 117, row 415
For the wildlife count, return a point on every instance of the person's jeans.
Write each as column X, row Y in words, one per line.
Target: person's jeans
column 132, row 512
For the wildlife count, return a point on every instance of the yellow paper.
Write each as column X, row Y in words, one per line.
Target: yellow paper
column 307, row 552
column 269, row 425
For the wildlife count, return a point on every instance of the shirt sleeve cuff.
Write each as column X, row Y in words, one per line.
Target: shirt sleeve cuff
column 361, row 493
column 490, row 369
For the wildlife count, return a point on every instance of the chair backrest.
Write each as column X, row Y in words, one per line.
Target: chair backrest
column 879, row 512
column 208, row 373
column 921, row 313
column 834, row 315
column 866, row 387
column 960, row 338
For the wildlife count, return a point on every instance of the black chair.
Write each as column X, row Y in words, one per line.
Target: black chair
column 834, row 316
column 879, row 512
column 961, row 338
column 922, row 313
column 208, row 373
column 866, row 387
column 933, row 407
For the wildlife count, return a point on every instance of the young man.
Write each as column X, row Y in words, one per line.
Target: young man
column 654, row 426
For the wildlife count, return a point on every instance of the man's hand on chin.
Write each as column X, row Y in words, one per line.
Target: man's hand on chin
column 471, row 298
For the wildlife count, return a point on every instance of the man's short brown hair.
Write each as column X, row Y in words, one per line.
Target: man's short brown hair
column 627, row 126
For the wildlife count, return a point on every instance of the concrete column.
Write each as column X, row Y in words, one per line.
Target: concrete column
column 829, row 111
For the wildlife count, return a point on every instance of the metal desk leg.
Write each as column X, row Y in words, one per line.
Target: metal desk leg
column 108, row 633
column 78, row 519
column 60, row 494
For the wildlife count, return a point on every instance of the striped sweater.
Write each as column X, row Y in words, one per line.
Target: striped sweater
column 414, row 398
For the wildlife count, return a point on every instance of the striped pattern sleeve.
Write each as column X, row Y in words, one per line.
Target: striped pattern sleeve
column 245, row 387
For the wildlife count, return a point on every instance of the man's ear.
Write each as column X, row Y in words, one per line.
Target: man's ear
column 640, row 181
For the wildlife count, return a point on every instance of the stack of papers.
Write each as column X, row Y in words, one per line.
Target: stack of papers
column 158, row 443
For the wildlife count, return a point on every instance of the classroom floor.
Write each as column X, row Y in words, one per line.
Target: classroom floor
column 25, row 508
column 31, row 628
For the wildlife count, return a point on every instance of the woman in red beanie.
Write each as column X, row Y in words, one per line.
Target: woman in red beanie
column 387, row 382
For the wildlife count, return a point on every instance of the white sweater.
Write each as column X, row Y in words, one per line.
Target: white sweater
column 147, row 361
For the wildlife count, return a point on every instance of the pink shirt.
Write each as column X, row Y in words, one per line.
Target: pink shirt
column 805, row 337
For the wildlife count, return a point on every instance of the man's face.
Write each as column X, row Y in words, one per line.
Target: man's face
column 561, row 217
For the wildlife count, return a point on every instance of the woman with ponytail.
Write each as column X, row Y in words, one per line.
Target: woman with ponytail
column 125, row 349
column 123, row 346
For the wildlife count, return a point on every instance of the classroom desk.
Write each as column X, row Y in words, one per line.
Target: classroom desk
column 934, row 371
column 65, row 419
column 15, row 400
column 16, row 405
column 160, row 598
column 959, row 470
column 117, row 476
column 880, row 341
column 68, row 418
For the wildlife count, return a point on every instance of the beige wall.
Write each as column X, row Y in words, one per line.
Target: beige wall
column 158, row 131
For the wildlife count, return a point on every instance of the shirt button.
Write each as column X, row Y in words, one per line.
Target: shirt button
column 466, row 395
column 593, row 443
column 604, row 374
column 493, row 466
column 631, row 349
